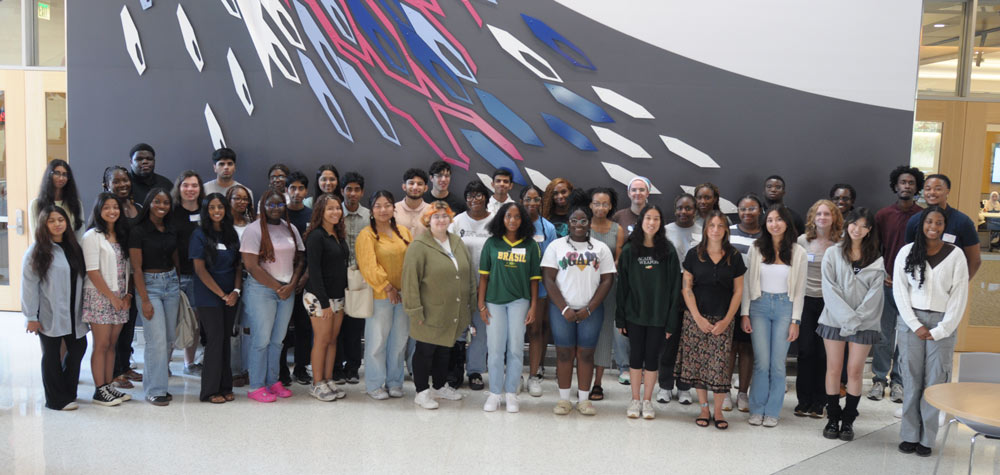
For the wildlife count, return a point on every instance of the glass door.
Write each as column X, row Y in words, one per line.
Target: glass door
column 13, row 189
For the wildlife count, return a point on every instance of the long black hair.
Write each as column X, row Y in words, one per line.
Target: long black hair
column 661, row 246
column 870, row 249
column 337, row 189
column 70, row 197
column 392, row 221
column 98, row 223
column 497, row 228
column 143, row 215
column 918, row 252
column 42, row 255
column 226, row 234
column 765, row 243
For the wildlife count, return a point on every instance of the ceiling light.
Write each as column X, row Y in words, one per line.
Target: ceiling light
column 939, row 25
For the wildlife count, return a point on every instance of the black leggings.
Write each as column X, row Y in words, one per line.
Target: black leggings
column 667, row 361
column 349, row 350
column 217, row 374
column 123, row 347
column 300, row 339
column 646, row 343
column 810, row 384
column 61, row 377
column 430, row 359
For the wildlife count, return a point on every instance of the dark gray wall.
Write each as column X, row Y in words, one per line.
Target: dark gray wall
column 751, row 128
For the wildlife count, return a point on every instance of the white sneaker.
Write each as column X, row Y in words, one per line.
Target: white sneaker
column 648, row 412
column 492, row 402
column 425, row 399
column 446, row 392
column 743, row 402
column 633, row 409
column 535, row 386
column 727, row 403
column 339, row 393
column 684, row 397
column 322, row 392
column 624, row 378
column 71, row 406
column 755, row 419
column 663, row 396
column 899, row 413
column 770, row 421
column 395, row 392
column 512, row 404
column 378, row 394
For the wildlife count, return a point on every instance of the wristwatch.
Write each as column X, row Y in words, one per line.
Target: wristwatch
column 797, row 322
column 238, row 291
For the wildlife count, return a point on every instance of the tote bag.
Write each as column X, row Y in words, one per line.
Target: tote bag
column 187, row 324
column 359, row 299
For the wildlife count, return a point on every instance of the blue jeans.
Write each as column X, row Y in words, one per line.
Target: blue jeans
column 386, row 333
column 506, row 338
column 770, row 317
column 622, row 348
column 267, row 316
column 886, row 357
column 475, row 355
column 160, row 331
column 582, row 334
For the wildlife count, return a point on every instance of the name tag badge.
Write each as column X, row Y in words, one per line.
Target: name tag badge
column 519, row 251
column 539, row 238
column 194, row 218
column 811, row 257
column 220, row 246
column 948, row 238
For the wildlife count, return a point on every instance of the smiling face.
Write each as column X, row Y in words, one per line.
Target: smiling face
column 328, row 182
column 225, row 168
column 842, row 198
column 906, row 186
column 532, row 202
column 110, row 212
column 501, row 185
column 749, row 212
column 415, row 188
column 190, row 189
column 56, row 225
column 824, row 217
column 332, row 213
column 774, row 190
column 352, row 194
column 705, row 200
column 277, row 179
column 638, row 192
column 274, row 207
column 382, row 210
column 936, row 192
column 600, row 205
column 439, row 222
column 441, row 180
column 216, row 210
column 651, row 222
column 684, row 212
column 60, row 176
column 934, row 226
column 121, row 185
column 143, row 163
column 475, row 202
column 512, row 219
column 560, row 195
column 160, row 205
column 240, row 201
column 716, row 229
column 579, row 225
column 776, row 226
column 858, row 229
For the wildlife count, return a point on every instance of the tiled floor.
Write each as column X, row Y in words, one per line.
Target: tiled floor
column 359, row 435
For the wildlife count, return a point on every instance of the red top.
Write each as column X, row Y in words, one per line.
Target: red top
column 891, row 223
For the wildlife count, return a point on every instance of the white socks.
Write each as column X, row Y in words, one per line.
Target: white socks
column 583, row 395
column 564, row 394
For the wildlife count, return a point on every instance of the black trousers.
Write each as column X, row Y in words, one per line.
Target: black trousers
column 216, row 372
column 123, row 347
column 645, row 345
column 349, row 349
column 61, row 376
column 667, row 360
column 299, row 336
column 810, row 383
column 430, row 359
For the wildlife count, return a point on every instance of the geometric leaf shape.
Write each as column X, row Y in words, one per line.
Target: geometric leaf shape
column 377, row 35
column 620, row 143
column 624, row 176
column 214, row 130
column 537, row 178
column 132, row 44
column 689, row 153
column 550, row 37
column 578, row 104
column 508, row 118
column 367, row 100
column 486, row 180
column 240, row 82
column 283, row 20
column 568, row 133
column 519, row 50
column 426, row 56
column 339, row 19
column 146, row 4
column 622, row 103
column 232, row 8
column 493, row 154
column 190, row 40
column 325, row 97
column 435, row 40
column 320, row 44
column 269, row 49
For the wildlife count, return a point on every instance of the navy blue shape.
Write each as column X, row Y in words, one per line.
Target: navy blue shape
column 429, row 59
column 550, row 37
column 493, row 154
column 377, row 35
column 567, row 132
column 508, row 118
column 578, row 104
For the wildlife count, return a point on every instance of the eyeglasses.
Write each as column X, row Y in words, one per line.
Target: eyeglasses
column 751, row 209
column 440, row 217
column 579, row 222
column 275, row 206
column 442, row 175
column 474, row 196
column 600, row 205
column 60, row 174
column 241, row 199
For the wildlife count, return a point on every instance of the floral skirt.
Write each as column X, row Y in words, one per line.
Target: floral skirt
column 703, row 358
column 98, row 309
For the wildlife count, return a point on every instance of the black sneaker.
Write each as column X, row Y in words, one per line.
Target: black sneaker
column 285, row 381
column 476, row 382
column 846, row 431
column 832, row 429
column 303, row 379
column 103, row 398
column 923, row 451
column 801, row 410
column 817, row 411
column 352, row 377
column 339, row 377
column 118, row 394
column 158, row 400
column 908, row 447
column 170, row 397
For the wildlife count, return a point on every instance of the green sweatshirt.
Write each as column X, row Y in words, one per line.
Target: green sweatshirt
column 649, row 290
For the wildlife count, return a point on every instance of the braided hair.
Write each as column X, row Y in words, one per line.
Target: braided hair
column 916, row 259
column 392, row 221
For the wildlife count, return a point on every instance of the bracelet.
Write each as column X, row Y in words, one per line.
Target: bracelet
column 564, row 310
column 482, row 308
column 588, row 311
column 797, row 322
column 238, row 291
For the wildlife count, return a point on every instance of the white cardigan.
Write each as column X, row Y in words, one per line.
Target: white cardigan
column 796, row 280
column 945, row 289
column 99, row 255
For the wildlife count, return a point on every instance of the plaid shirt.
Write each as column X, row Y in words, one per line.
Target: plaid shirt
column 354, row 222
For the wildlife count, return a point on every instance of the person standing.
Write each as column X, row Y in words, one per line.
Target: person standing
column 742, row 236
column 118, row 183
column 603, row 202
column 327, row 181
column 142, row 159
column 58, row 189
column 503, row 180
column 638, row 194
column 931, row 288
column 539, row 331
column 224, row 165
column 299, row 335
column 412, row 206
column 187, row 194
column 844, row 196
column 649, row 283
column 242, row 208
column 556, row 204
column 774, row 194
column 684, row 234
column 440, row 174
column 960, row 231
column 215, row 250
column 706, row 198
column 356, row 217
column 52, row 274
column 890, row 223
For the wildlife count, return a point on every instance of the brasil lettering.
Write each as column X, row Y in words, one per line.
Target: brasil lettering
column 507, row 256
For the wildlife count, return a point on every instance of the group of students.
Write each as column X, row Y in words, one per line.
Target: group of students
column 456, row 285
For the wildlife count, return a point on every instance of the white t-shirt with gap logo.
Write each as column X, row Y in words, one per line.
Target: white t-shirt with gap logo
column 579, row 268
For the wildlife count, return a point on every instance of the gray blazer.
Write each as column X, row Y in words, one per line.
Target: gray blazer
column 48, row 301
column 853, row 302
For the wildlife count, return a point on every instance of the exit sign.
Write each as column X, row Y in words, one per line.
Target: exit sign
column 44, row 11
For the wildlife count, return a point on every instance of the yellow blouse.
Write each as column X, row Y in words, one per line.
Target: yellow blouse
column 381, row 260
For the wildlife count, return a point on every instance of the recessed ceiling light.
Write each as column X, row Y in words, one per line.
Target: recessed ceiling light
column 939, row 25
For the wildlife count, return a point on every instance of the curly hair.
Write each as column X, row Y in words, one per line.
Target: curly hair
column 715, row 192
column 836, row 227
column 612, row 197
column 906, row 170
column 547, row 198
column 498, row 229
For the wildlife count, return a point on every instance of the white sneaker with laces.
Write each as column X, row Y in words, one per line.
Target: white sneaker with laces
column 633, row 410
column 512, row 404
column 322, row 392
column 492, row 402
column 727, row 403
column 648, row 412
column 755, row 419
column 395, row 392
column 535, row 386
column 446, row 392
column 663, row 396
column 425, row 399
column 379, row 394
column 743, row 402
column 770, row 421
column 684, row 397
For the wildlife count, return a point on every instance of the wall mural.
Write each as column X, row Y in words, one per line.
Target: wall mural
column 410, row 81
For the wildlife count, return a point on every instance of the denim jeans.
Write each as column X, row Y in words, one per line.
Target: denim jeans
column 386, row 333
column 268, row 318
column 506, row 341
column 475, row 355
column 885, row 358
column 160, row 331
column 622, row 348
column 770, row 317
column 582, row 334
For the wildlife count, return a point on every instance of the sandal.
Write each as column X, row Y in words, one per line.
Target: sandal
column 122, row 382
column 702, row 421
column 596, row 393
column 133, row 375
column 229, row 396
column 217, row 399
column 722, row 424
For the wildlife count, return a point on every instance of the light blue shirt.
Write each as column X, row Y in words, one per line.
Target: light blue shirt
column 48, row 301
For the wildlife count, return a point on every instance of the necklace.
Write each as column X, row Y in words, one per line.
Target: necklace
column 590, row 245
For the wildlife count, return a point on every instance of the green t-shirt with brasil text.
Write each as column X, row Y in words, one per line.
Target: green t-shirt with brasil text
column 511, row 267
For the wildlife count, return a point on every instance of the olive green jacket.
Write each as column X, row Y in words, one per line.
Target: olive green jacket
column 438, row 298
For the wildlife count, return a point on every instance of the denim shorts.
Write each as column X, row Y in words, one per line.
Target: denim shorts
column 582, row 334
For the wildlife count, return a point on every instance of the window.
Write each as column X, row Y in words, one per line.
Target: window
column 940, row 46
column 49, row 33
column 10, row 33
column 925, row 151
column 33, row 33
column 985, row 67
